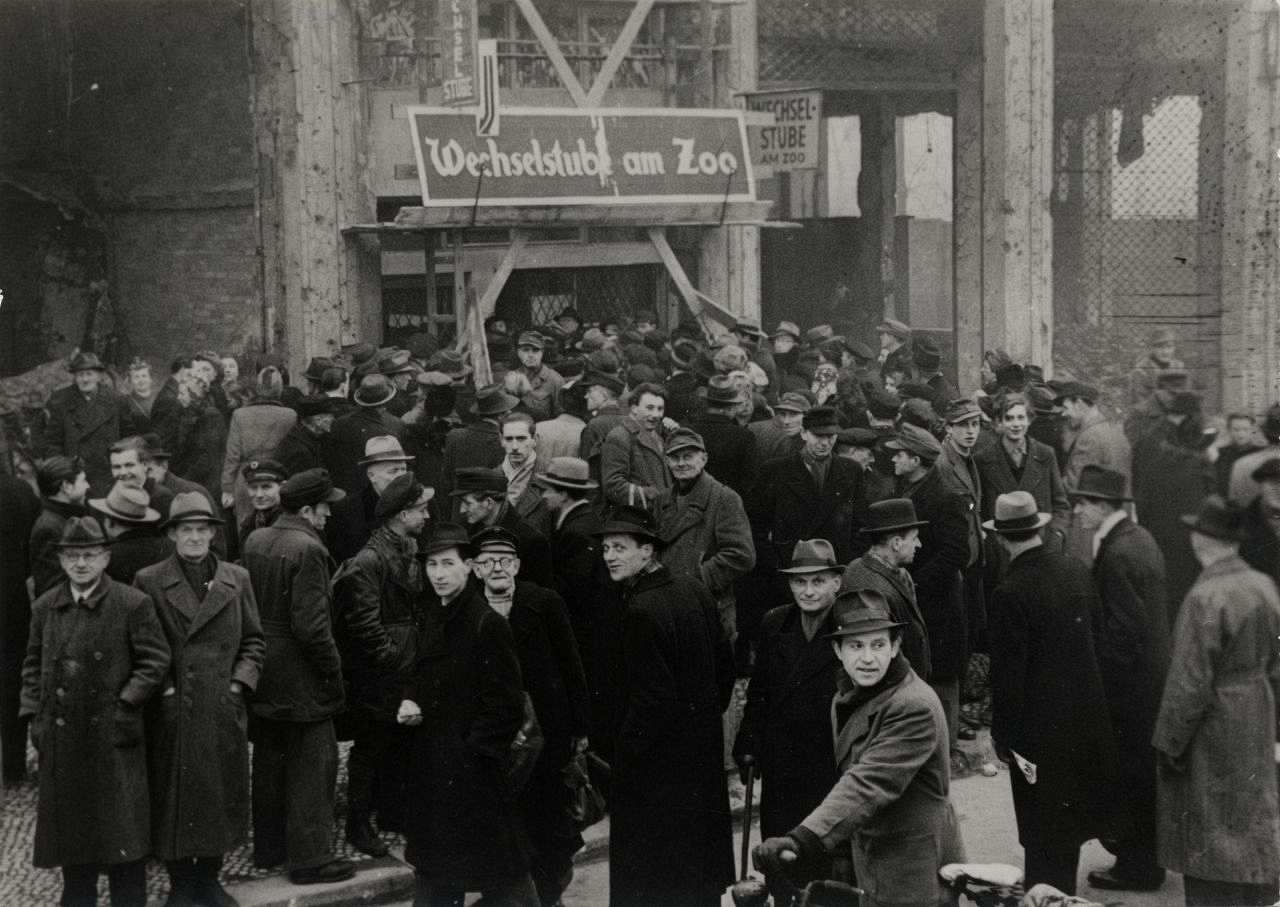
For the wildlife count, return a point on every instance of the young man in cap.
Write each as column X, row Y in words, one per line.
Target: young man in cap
column 1050, row 721
column 376, row 603
column 606, row 413
column 730, row 445
column 542, row 399
column 894, row 533
column 551, row 671
column 200, row 805
column 1260, row 525
column 671, row 841
column 786, row 727
column 482, row 502
column 1240, row 439
column 63, row 486
column 707, row 534
column 633, row 464
column 352, row 432
column 131, row 523
column 890, row 805
column 295, row 756
column 936, row 567
column 1131, row 638
column 519, row 464
column 779, row 435
column 353, row 518
column 95, row 655
column 478, row 443
column 86, row 417
column 1216, row 731
column 303, row 447
column 465, row 705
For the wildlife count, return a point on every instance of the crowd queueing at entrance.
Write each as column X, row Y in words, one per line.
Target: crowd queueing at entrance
column 529, row 601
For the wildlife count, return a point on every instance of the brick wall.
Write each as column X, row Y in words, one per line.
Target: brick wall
column 186, row 280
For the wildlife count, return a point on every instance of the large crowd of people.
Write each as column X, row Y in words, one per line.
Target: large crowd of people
column 490, row 588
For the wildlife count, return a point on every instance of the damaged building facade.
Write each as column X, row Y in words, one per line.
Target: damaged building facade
column 1056, row 180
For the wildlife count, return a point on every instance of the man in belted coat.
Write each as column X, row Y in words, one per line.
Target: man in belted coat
column 1131, row 637
column 95, row 655
column 376, row 595
column 199, row 727
column 295, row 756
column 1215, row 735
column 786, row 727
column 708, row 537
column 1050, row 722
column 86, row 418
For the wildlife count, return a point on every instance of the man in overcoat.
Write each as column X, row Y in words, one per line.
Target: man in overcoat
column 1131, row 638
column 95, row 655
column 1216, row 731
column 1050, row 722
column 350, row 433
column 604, row 413
column 959, row 470
column 295, row 755
column 353, row 518
column 890, row 804
column 199, row 727
column 376, row 599
column 303, row 447
column 670, row 837
column 478, row 444
column 63, row 487
column 569, row 493
column 551, row 670
column 731, row 446
column 1018, row 462
column 633, row 464
column 464, row 701
column 707, row 534
column 86, row 418
column 786, row 726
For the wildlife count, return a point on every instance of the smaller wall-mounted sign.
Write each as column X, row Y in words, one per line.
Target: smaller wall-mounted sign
column 459, row 28
column 793, row 142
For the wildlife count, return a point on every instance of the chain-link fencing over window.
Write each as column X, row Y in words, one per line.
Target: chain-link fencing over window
column 599, row 294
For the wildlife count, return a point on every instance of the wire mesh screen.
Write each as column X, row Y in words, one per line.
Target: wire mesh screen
column 1133, row 247
column 599, row 294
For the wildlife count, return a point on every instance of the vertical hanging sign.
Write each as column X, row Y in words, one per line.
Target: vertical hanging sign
column 458, row 28
column 487, row 121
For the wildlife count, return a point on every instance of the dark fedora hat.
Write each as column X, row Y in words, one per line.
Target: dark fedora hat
column 444, row 536
column 632, row 521
column 892, row 515
column 926, row 353
column 85, row 362
column 567, row 472
column 374, row 390
column 1216, row 518
column 812, row 556
column 1100, row 483
column 857, row 437
column 316, row 367
column 493, row 400
column 1016, row 512
column 860, row 611
column 883, row 403
column 478, row 480
column 723, row 391
column 602, row 379
column 82, row 532
column 317, row 405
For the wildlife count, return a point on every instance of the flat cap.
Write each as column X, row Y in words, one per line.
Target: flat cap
column 857, row 437
column 533, row 339
column 264, row 470
column 683, row 438
column 915, row 440
column 794, row 402
column 961, row 409
column 403, row 492
column 895, row 328
column 479, row 480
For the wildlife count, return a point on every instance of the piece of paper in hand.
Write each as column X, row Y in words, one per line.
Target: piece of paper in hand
column 1027, row 768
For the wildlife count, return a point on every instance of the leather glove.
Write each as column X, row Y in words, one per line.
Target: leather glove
column 776, row 856
column 126, row 726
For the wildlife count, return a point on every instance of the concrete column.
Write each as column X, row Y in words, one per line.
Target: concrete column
column 967, row 266
column 1250, row 325
column 1017, row 178
column 309, row 120
column 729, row 260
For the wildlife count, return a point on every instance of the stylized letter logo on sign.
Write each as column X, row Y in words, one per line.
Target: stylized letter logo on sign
column 791, row 143
column 572, row 156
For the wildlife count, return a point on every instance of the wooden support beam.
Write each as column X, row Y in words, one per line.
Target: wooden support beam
column 488, row 301
column 699, row 304
column 554, row 54
column 618, row 52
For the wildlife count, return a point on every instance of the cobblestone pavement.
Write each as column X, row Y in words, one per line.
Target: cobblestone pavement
column 23, row 884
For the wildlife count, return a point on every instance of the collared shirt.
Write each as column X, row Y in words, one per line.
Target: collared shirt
column 1105, row 527
column 518, row 476
column 1017, row 452
column 78, row 598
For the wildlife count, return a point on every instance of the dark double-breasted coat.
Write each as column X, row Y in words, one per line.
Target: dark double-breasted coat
column 86, row 427
column 463, row 828
column 787, row 722
column 944, row 549
column 302, row 671
column 84, row 660
column 731, row 450
column 670, row 838
column 1039, row 476
column 200, row 743
column 787, row 505
column 1048, row 700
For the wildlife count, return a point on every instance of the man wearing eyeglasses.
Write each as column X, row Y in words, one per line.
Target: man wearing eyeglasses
column 555, row 681
column 376, row 595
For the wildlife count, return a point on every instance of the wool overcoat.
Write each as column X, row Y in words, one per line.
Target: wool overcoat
column 86, row 427
column 944, row 549
column 300, row 450
column 787, row 505
column 463, row 828
column 477, row 444
column 1039, row 475
column 731, row 451
column 1048, row 701
column 1219, row 817
column 633, row 467
column 200, row 744
column 899, row 591
column 670, row 838
column 83, row 661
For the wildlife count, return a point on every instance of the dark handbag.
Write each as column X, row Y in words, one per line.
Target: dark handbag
column 586, row 804
column 525, row 749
